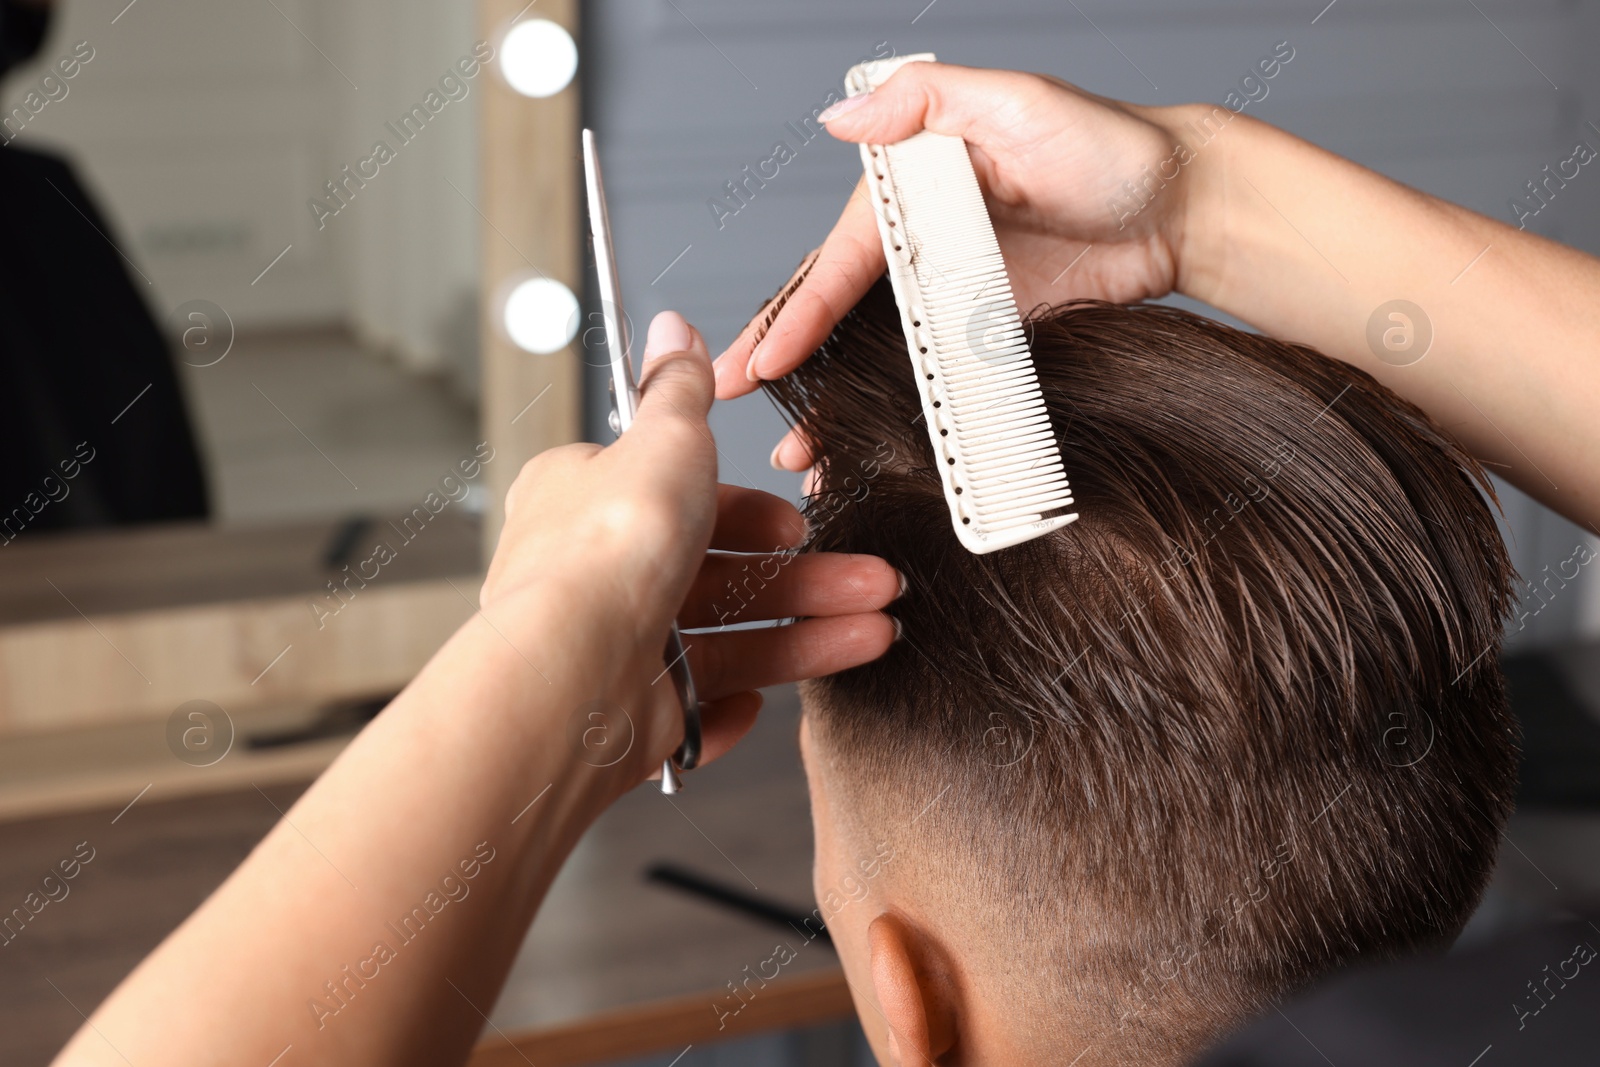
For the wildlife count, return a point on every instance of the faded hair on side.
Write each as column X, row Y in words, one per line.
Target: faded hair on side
column 1241, row 723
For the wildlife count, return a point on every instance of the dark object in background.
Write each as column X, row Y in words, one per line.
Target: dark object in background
column 84, row 371
column 1528, row 997
column 343, row 718
column 757, row 907
column 23, row 25
column 342, row 545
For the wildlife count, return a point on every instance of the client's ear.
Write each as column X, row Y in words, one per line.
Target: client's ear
column 915, row 989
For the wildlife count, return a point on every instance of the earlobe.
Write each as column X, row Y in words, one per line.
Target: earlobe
column 912, row 991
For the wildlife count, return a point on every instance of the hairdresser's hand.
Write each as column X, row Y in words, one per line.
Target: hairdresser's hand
column 471, row 789
column 622, row 534
column 1051, row 158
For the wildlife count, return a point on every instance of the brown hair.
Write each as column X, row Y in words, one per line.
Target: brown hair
column 1240, row 723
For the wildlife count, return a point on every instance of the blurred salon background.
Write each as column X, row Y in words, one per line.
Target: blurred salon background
column 283, row 282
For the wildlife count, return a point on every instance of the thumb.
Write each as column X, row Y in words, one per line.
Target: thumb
column 960, row 101
column 677, row 384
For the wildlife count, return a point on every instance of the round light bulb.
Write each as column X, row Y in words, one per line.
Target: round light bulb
column 538, row 57
column 541, row 316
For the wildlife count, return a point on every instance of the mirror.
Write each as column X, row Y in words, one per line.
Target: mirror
column 248, row 462
column 288, row 189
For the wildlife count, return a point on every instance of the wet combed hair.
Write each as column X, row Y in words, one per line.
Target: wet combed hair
column 1242, row 722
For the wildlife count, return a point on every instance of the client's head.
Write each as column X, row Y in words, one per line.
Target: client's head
column 1118, row 787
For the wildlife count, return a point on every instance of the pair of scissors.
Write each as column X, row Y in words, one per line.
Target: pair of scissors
column 624, row 401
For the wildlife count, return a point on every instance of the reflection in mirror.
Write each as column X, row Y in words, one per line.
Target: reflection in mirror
column 266, row 213
column 242, row 459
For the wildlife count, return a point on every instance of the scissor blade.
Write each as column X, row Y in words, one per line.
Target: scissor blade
column 625, row 395
column 605, row 261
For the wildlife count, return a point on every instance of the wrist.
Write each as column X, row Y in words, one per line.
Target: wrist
column 596, row 687
column 1209, row 219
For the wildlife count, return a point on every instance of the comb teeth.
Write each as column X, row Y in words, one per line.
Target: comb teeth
column 1003, row 474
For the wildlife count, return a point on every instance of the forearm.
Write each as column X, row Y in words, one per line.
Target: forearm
column 1306, row 246
column 379, row 918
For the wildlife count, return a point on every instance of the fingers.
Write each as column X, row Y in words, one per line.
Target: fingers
column 676, row 387
column 756, row 329
column 964, row 102
column 724, row 722
column 984, row 107
column 736, row 660
column 845, row 267
column 808, row 484
column 735, row 589
column 793, row 452
column 749, row 520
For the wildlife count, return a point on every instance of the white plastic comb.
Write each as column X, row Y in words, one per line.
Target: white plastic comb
column 1003, row 475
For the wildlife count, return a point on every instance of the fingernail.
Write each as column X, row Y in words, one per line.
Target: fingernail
column 905, row 585
column 750, row 366
column 899, row 628
column 669, row 332
column 773, row 459
column 843, row 107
